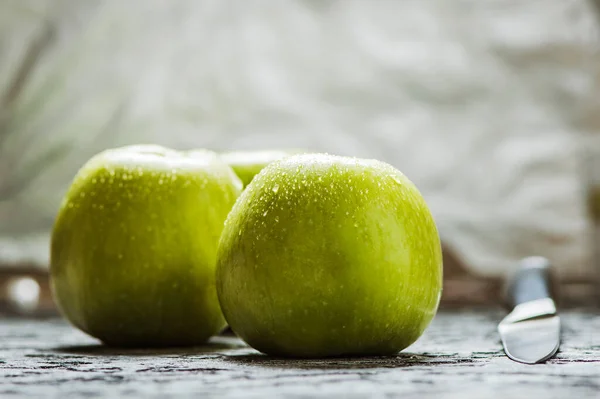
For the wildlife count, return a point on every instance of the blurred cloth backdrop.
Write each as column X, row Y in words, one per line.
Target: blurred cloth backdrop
column 488, row 106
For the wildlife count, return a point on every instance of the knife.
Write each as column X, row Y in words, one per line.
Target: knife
column 530, row 333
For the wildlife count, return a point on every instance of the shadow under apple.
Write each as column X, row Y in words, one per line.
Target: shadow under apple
column 214, row 345
column 401, row 360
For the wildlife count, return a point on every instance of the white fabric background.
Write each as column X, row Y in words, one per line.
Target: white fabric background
column 481, row 103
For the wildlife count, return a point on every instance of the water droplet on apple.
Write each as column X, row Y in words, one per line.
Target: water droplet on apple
column 275, row 188
column 265, row 212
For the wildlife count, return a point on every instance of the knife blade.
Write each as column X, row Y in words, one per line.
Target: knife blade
column 530, row 333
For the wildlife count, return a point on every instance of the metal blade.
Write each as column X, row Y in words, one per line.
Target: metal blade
column 531, row 333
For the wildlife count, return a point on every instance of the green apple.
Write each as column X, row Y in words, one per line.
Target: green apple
column 247, row 164
column 133, row 250
column 328, row 256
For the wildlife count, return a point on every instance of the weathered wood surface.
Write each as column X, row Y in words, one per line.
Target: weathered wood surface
column 460, row 356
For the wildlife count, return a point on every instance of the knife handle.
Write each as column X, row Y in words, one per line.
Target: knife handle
column 532, row 281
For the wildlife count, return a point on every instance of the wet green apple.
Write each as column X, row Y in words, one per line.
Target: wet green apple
column 329, row 256
column 247, row 164
column 133, row 250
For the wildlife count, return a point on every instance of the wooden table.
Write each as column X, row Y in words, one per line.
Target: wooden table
column 460, row 356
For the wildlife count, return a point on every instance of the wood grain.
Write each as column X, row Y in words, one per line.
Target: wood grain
column 460, row 356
